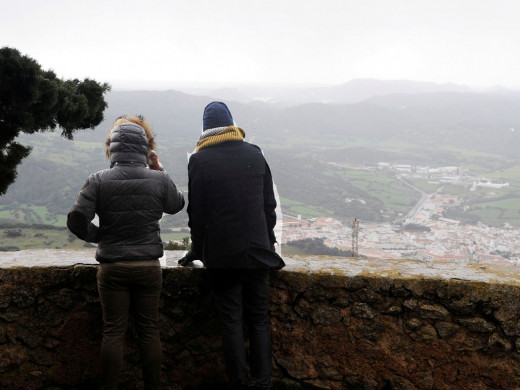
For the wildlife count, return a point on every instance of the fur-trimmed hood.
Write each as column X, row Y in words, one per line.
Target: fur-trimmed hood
column 128, row 144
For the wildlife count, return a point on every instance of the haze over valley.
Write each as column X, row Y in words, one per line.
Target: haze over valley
column 367, row 149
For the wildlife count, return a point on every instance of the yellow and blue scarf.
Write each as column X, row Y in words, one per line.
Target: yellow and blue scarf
column 218, row 135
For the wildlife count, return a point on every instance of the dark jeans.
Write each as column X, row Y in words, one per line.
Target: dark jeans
column 125, row 286
column 243, row 295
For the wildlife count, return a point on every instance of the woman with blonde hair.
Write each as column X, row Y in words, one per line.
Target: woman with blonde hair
column 129, row 199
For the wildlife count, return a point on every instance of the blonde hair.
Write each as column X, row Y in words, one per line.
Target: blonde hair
column 137, row 119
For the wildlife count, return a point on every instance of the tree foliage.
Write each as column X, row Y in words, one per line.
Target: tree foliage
column 316, row 246
column 34, row 100
column 414, row 227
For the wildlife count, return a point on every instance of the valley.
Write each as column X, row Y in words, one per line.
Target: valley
column 372, row 159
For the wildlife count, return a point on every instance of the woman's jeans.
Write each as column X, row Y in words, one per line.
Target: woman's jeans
column 127, row 286
column 243, row 295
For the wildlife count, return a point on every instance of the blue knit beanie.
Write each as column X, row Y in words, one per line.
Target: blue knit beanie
column 216, row 114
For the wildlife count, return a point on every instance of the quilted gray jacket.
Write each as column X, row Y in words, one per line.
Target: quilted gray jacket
column 129, row 199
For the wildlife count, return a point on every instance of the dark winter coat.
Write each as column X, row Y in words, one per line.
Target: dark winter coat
column 231, row 207
column 129, row 199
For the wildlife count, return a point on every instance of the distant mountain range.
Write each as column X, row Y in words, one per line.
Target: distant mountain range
column 350, row 92
column 425, row 114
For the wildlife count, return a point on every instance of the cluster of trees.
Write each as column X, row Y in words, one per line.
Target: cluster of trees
column 13, row 233
column 37, row 226
column 34, row 100
column 414, row 227
column 316, row 246
column 466, row 216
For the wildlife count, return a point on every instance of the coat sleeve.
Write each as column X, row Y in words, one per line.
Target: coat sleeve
column 269, row 205
column 196, row 208
column 80, row 216
column 173, row 200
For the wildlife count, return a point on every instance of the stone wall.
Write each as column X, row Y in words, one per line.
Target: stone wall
column 336, row 324
column 382, row 333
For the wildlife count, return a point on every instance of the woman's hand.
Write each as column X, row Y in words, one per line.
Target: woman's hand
column 153, row 161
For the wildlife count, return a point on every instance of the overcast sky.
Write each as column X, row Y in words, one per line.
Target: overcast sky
column 158, row 44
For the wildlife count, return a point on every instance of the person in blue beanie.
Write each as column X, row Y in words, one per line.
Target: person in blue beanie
column 231, row 209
